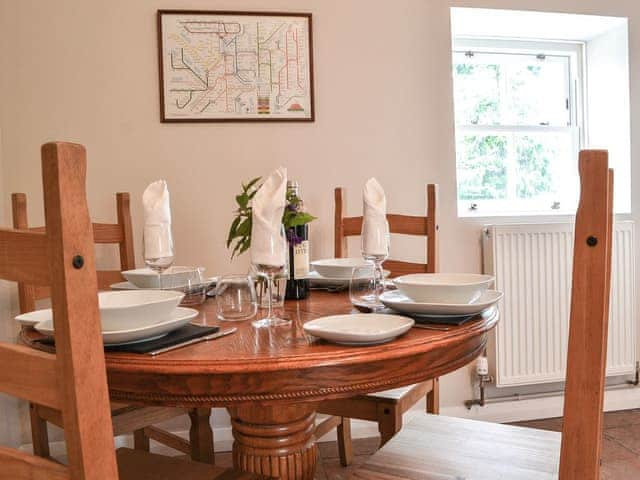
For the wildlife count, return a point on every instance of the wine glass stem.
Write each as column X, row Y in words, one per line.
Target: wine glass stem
column 270, row 280
column 379, row 279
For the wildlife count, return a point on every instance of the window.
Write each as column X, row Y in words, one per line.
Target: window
column 518, row 115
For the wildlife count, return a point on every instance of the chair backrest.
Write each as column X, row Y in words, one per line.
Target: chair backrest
column 74, row 379
column 588, row 326
column 120, row 233
column 426, row 226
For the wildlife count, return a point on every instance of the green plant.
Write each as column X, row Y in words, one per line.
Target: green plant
column 239, row 238
column 240, row 231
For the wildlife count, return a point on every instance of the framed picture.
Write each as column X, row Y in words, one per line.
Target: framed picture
column 222, row 66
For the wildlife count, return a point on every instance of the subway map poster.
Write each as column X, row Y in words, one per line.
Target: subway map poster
column 235, row 66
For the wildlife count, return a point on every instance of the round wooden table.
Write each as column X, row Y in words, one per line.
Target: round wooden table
column 272, row 380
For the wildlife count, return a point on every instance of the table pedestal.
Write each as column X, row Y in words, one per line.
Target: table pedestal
column 275, row 441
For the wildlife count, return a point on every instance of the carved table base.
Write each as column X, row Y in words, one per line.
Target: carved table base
column 275, row 441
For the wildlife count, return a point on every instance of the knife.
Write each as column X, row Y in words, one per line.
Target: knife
column 213, row 336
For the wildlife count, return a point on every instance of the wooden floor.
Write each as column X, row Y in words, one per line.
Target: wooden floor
column 620, row 459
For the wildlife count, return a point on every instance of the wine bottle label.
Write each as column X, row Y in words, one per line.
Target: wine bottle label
column 301, row 260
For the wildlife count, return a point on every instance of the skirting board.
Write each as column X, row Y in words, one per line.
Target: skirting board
column 510, row 411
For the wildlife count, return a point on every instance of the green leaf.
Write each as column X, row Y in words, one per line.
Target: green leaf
column 252, row 183
column 243, row 200
column 244, row 228
column 233, row 230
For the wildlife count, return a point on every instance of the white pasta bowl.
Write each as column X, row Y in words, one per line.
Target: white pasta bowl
column 341, row 268
column 136, row 308
column 171, row 278
column 458, row 288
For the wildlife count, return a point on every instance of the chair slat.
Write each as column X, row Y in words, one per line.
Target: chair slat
column 17, row 465
column 588, row 324
column 400, row 224
column 79, row 347
column 107, row 233
column 29, row 374
column 398, row 267
column 23, row 257
column 102, row 232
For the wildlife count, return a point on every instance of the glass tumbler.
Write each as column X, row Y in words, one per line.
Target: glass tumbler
column 235, row 298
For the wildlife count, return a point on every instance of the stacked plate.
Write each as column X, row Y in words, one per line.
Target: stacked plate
column 127, row 316
column 337, row 272
column 442, row 295
column 172, row 278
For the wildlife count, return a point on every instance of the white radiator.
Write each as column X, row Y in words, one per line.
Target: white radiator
column 532, row 266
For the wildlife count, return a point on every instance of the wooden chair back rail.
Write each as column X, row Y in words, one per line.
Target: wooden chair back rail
column 17, row 465
column 23, row 257
column 75, row 378
column 120, row 233
column 588, row 326
column 33, row 375
column 105, row 233
column 399, row 224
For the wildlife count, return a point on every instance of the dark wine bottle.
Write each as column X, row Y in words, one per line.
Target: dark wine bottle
column 298, row 238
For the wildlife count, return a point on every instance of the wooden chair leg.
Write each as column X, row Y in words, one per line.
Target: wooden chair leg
column 389, row 422
column 141, row 440
column 39, row 433
column 201, row 435
column 433, row 398
column 345, row 445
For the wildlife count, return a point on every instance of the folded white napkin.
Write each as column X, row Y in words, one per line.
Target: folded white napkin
column 375, row 229
column 157, row 221
column 268, row 246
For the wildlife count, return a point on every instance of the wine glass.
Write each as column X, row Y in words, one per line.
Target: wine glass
column 375, row 249
column 363, row 289
column 158, row 248
column 278, row 254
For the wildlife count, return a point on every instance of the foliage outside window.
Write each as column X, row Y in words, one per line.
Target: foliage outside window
column 516, row 132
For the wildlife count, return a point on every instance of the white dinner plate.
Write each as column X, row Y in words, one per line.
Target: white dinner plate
column 359, row 328
column 209, row 282
column 399, row 302
column 122, row 310
column 316, row 279
column 171, row 278
column 179, row 318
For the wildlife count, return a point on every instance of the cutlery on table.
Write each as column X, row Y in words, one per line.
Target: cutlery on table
column 440, row 328
column 213, row 336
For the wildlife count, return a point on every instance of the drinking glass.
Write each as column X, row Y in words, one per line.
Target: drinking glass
column 278, row 251
column 195, row 290
column 375, row 249
column 236, row 298
column 158, row 248
column 365, row 289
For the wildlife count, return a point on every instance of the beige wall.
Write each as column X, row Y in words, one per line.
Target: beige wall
column 87, row 71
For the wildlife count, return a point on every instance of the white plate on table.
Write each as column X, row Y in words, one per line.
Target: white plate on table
column 123, row 310
column 171, row 278
column 359, row 328
column 208, row 282
column 316, row 279
column 179, row 318
column 399, row 302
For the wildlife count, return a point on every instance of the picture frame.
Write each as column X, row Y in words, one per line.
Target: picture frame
column 235, row 66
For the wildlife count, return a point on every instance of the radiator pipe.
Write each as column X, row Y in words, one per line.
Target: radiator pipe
column 482, row 401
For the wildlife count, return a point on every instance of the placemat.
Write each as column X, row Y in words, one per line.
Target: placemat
column 188, row 332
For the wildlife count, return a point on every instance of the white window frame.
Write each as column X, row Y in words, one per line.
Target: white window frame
column 574, row 52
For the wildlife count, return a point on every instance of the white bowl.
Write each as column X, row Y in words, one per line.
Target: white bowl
column 136, row 308
column 171, row 278
column 443, row 287
column 337, row 267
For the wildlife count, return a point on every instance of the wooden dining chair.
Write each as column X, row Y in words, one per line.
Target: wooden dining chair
column 386, row 408
column 73, row 380
column 126, row 418
column 433, row 447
